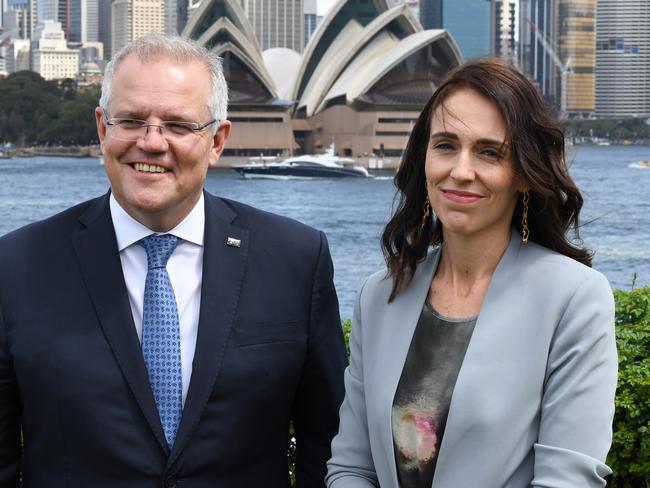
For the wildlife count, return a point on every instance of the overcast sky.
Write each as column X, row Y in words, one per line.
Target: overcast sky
column 324, row 5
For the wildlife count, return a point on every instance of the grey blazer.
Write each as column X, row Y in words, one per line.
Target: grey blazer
column 534, row 400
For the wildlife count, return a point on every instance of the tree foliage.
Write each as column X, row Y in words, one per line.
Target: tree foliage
column 34, row 111
column 629, row 457
column 616, row 129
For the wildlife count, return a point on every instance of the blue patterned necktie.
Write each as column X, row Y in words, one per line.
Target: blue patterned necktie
column 160, row 334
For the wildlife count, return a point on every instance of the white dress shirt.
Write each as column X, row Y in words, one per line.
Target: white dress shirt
column 185, row 269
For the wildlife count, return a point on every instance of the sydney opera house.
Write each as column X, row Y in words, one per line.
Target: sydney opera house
column 360, row 83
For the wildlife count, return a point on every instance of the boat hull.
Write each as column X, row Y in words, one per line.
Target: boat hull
column 297, row 172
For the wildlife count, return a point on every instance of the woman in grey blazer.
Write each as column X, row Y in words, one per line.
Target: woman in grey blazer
column 485, row 355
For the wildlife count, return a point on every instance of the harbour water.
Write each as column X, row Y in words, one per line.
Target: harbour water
column 352, row 212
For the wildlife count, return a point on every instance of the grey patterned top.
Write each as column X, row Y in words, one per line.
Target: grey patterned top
column 423, row 395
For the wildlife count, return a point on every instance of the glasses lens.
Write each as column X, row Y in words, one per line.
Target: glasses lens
column 128, row 130
column 132, row 130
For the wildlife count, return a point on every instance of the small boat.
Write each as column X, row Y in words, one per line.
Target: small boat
column 643, row 164
column 308, row 166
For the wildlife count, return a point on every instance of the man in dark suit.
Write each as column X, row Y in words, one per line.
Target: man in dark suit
column 159, row 335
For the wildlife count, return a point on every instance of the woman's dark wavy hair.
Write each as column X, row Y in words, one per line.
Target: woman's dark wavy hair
column 537, row 149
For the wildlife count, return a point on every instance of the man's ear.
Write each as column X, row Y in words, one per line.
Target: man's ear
column 101, row 127
column 219, row 141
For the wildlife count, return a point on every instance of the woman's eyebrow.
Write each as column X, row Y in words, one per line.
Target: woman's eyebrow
column 446, row 135
column 491, row 142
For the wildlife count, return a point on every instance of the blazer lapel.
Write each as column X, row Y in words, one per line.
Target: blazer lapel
column 479, row 353
column 224, row 264
column 101, row 268
column 402, row 318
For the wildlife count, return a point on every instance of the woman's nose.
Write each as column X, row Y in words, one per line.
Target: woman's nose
column 463, row 168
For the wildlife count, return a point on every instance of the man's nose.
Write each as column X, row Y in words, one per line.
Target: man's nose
column 154, row 139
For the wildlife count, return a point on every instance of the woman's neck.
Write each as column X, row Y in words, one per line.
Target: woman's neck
column 464, row 272
column 467, row 259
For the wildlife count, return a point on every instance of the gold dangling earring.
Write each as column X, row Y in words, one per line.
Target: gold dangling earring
column 426, row 211
column 525, row 232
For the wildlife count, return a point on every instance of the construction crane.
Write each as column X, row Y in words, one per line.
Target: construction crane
column 565, row 68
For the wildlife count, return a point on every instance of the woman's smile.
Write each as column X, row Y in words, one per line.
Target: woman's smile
column 462, row 197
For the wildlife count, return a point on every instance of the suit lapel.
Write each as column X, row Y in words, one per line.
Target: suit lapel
column 223, row 274
column 101, row 268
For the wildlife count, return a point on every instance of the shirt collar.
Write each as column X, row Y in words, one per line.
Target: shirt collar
column 128, row 231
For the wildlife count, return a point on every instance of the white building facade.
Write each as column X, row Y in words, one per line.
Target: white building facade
column 51, row 57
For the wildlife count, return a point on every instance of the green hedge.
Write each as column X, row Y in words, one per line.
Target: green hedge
column 629, row 457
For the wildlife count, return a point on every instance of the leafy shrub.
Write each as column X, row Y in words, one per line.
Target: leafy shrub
column 629, row 457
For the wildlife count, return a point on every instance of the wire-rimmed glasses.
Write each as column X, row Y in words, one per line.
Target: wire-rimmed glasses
column 127, row 129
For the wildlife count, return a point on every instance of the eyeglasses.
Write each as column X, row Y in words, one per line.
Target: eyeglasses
column 124, row 129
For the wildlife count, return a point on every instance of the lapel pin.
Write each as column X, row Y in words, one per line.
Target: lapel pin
column 231, row 241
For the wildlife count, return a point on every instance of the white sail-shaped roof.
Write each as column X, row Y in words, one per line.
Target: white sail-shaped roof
column 222, row 26
column 341, row 13
column 382, row 55
column 283, row 65
column 349, row 43
column 353, row 49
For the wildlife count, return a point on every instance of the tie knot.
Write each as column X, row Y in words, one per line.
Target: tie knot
column 158, row 248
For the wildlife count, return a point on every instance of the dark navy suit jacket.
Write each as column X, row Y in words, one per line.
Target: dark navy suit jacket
column 269, row 351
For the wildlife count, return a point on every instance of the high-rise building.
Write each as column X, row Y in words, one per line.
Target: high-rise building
column 79, row 18
column 171, row 16
column 104, row 26
column 56, row 10
column 132, row 19
column 16, row 19
column 33, row 17
column 468, row 21
column 176, row 12
column 16, row 23
column 577, row 50
column 504, row 29
column 623, row 58
column 26, row 15
column 277, row 23
column 84, row 20
column 311, row 19
column 182, row 14
column 557, row 51
column 90, row 20
column 537, row 33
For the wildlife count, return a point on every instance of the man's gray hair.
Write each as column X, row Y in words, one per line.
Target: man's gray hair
column 180, row 50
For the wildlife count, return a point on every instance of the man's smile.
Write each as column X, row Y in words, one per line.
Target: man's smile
column 149, row 168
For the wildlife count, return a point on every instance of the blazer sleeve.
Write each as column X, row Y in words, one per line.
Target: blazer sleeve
column 10, row 413
column 351, row 465
column 320, row 391
column 578, row 400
